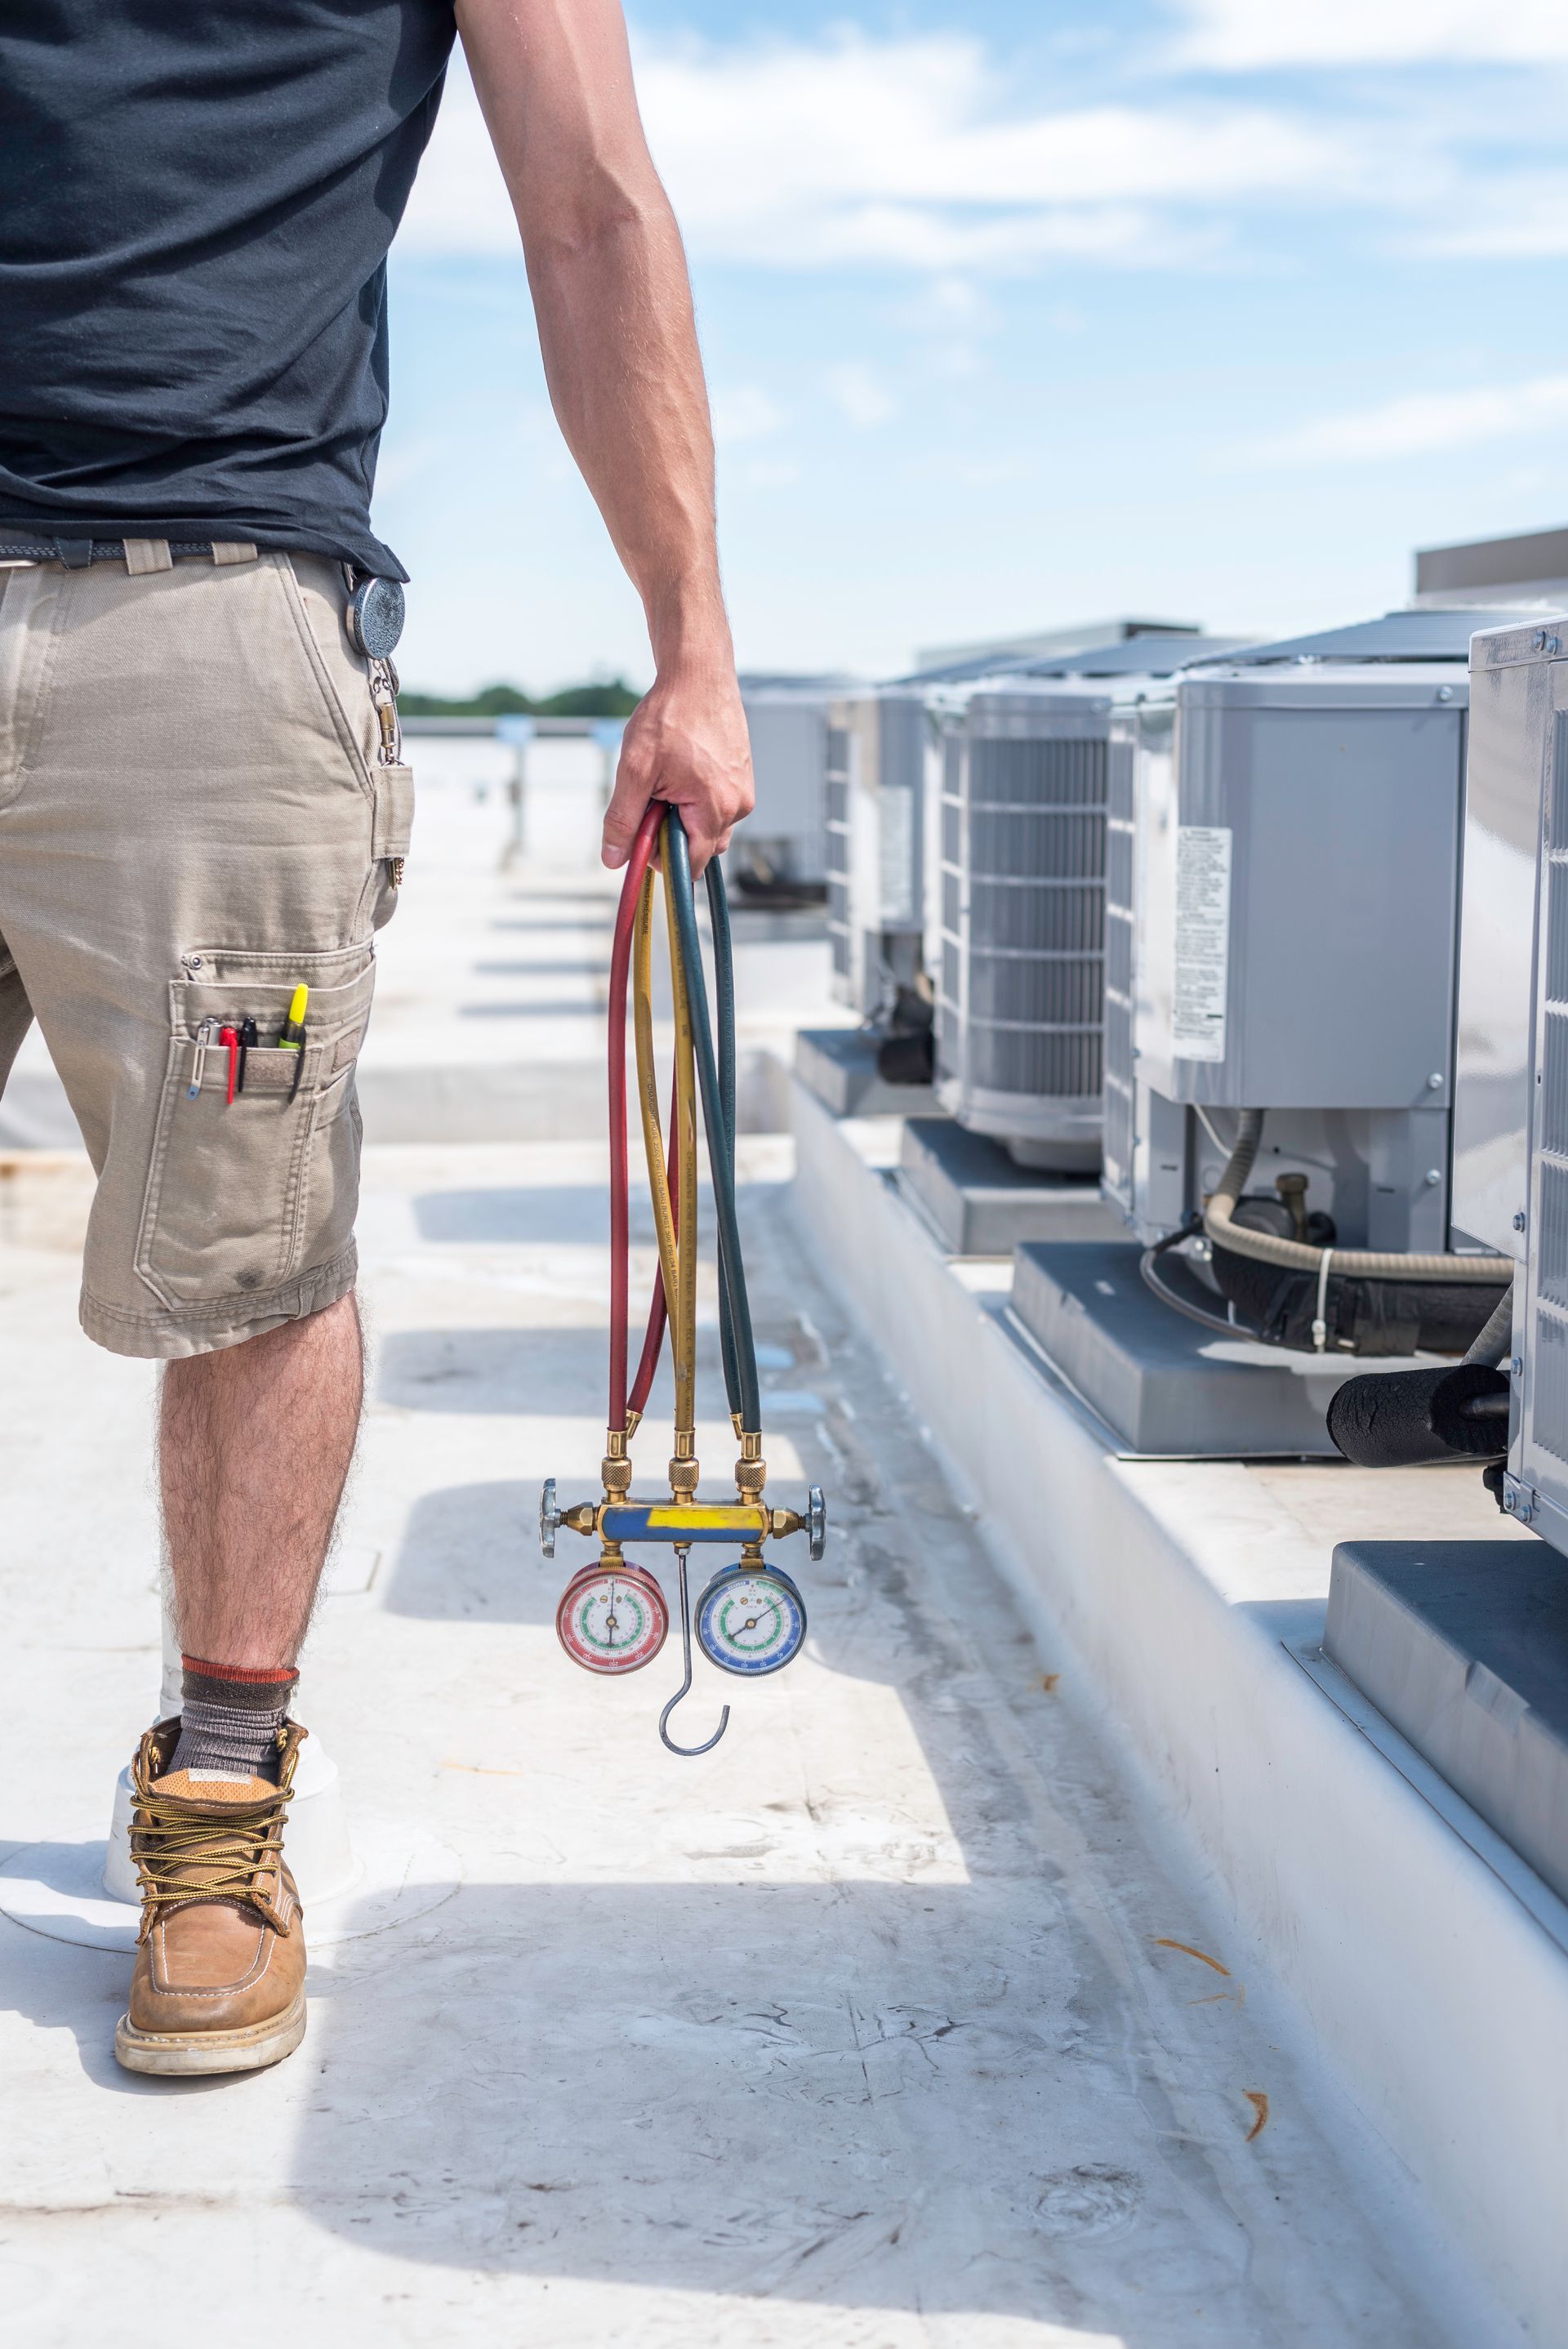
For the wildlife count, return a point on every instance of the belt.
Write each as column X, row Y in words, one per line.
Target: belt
column 373, row 618
column 76, row 554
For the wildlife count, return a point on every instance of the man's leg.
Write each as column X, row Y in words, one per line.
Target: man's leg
column 202, row 827
column 254, row 1446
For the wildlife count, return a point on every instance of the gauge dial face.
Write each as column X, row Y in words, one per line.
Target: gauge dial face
column 751, row 1619
column 612, row 1619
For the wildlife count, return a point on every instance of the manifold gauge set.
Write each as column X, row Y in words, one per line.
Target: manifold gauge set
column 749, row 1617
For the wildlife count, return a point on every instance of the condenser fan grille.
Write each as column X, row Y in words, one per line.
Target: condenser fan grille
column 1022, row 972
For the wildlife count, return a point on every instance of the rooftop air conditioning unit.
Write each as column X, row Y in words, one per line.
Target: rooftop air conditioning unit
column 780, row 852
column 1510, row 1116
column 878, row 744
column 1459, row 1643
column 1020, row 985
column 1282, row 937
column 1019, row 952
column 880, row 747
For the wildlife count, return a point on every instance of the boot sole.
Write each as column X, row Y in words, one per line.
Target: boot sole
column 179, row 2054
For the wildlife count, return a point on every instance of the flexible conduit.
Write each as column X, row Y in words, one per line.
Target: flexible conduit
column 1295, row 1256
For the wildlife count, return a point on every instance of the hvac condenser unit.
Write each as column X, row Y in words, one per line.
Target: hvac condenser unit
column 881, row 850
column 1459, row 1644
column 1511, row 1113
column 878, row 744
column 1020, row 983
column 781, row 850
column 1018, row 954
column 1282, row 934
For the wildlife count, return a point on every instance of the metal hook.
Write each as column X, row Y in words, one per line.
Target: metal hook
column 689, row 1752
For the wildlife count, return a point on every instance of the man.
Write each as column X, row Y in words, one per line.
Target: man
column 204, row 811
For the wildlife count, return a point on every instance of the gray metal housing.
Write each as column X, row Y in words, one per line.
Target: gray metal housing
column 1282, row 925
column 878, row 744
column 786, row 835
column 1020, row 982
column 1512, row 1119
column 1517, row 687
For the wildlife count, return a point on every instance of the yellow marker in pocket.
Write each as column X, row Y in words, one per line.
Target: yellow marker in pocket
column 293, row 1035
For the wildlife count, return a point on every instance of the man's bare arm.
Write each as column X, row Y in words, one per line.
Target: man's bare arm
column 614, row 304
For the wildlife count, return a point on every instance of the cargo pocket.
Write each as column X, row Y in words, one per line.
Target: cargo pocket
column 391, row 830
column 246, row 1196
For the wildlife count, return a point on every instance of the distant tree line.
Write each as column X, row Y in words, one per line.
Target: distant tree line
column 614, row 698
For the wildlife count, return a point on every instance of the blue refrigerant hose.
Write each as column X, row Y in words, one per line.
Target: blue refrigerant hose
column 716, row 1084
column 724, row 1005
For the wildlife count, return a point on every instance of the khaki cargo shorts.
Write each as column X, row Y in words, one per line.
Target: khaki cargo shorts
column 194, row 821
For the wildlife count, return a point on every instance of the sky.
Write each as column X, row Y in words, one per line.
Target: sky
column 1017, row 312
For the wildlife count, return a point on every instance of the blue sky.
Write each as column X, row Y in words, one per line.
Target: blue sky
column 1206, row 309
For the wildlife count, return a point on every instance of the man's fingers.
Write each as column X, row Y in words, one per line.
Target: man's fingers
column 634, row 789
column 703, row 843
column 693, row 755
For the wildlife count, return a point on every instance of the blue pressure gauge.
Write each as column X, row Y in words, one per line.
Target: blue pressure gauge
column 751, row 1619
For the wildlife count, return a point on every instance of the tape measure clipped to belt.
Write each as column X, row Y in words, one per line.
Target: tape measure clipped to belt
column 612, row 1618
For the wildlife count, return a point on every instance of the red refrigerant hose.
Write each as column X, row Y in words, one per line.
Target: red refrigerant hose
column 620, row 1171
column 658, row 1310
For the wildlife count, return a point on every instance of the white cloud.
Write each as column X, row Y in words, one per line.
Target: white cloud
column 917, row 155
column 1241, row 35
column 916, row 151
column 744, row 412
column 912, row 152
column 459, row 203
column 857, row 392
column 1421, row 424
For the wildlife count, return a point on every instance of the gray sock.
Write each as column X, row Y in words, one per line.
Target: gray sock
column 230, row 1718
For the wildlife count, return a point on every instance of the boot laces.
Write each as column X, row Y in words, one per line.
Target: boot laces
column 183, row 1855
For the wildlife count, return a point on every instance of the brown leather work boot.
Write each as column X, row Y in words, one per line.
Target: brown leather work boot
column 219, row 1984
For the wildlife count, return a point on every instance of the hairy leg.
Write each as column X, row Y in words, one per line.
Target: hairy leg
column 254, row 1446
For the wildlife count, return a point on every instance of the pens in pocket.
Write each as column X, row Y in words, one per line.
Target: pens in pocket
column 229, row 1037
column 248, row 1037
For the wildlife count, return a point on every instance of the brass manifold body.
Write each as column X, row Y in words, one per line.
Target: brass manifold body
column 683, row 1519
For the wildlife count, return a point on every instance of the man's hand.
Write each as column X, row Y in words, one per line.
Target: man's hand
column 613, row 305
column 684, row 742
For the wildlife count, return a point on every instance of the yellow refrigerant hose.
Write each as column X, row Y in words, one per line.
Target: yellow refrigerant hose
column 672, row 1242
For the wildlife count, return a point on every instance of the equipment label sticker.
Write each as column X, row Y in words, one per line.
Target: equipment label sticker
column 1202, row 941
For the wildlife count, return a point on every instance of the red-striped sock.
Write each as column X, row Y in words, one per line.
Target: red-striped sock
column 230, row 1718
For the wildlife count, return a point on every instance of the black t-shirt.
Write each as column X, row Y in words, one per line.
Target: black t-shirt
column 196, row 200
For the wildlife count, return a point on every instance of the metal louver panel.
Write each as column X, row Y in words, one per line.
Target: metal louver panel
column 837, row 859
column 1549, row 1384
column 1021, row 984
column 1120, row 1122
column 880, row 736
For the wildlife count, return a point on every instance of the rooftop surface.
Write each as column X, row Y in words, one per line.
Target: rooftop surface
column 897, row 2023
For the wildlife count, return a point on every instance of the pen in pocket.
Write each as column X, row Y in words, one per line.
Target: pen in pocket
column 199, row 1066
column 292, row 1037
